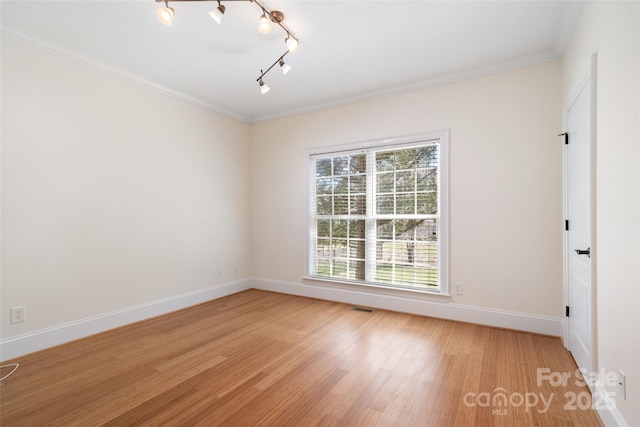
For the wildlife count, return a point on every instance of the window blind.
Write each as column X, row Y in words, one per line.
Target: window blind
column 375, row 215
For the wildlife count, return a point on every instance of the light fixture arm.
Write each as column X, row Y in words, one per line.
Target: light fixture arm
column 263, row 73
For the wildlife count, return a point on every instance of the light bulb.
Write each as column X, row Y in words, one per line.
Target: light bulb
column 264, row 26
column 218, row 13
column 292, row 43
column 165, row 15
column 285, row 67
column 263, row 87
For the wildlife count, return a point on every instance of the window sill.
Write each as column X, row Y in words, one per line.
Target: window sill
column 388, row 289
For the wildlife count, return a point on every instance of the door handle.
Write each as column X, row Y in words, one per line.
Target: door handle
column 586, row 252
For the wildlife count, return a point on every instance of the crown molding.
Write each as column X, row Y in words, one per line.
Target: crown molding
column 414, row 87
column 562, row 39
column 113, row 71
column 564, row 33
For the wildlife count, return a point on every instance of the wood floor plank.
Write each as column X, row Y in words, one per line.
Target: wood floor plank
column 264, row 359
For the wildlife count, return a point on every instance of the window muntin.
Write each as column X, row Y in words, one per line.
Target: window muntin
column 340, row 214
column 376, row 216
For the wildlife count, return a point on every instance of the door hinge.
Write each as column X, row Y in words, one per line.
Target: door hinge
column 566, row 224
column 566, row 137
column 566, row 311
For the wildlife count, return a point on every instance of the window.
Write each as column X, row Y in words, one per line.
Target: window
column 378, row 214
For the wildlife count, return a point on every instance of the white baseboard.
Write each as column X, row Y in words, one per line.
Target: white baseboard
column 421, row 304
column 20, row 345
column 606, row 407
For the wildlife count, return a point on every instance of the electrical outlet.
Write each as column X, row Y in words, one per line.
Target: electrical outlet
column 457, row 288
column 17, row 314
column 219, row 273
column 622, row 384
column 236, row 270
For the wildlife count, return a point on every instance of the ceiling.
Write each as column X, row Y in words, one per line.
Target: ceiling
column 349, row 50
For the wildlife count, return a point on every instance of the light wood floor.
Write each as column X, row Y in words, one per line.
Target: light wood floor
column 260, row 358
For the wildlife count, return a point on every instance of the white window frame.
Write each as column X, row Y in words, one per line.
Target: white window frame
column 443, row 206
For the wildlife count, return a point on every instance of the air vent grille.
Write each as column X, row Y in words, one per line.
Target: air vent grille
column 366, row 310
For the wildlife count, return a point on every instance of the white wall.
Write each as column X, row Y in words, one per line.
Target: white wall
column 112, row 195
column 612, row 30
column 505, row 198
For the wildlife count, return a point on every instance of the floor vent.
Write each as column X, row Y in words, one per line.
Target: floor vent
column 366, row 310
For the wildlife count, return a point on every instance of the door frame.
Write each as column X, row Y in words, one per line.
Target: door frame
column 587, row 77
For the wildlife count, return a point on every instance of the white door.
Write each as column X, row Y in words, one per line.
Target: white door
column 578, row 236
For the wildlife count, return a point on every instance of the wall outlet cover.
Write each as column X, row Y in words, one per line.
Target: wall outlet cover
column 17, row 314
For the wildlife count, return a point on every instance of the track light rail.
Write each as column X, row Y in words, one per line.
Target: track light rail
column 272, row 65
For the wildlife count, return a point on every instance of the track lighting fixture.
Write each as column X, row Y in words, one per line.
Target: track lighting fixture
column 263, row 87
column 264, row 26
column 166, row 14
column 217, row 13
column 285, row 67
column 291, row 42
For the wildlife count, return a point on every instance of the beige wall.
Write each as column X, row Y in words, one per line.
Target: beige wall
column 112, row 195
column 612, row 30
column 506, row 192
